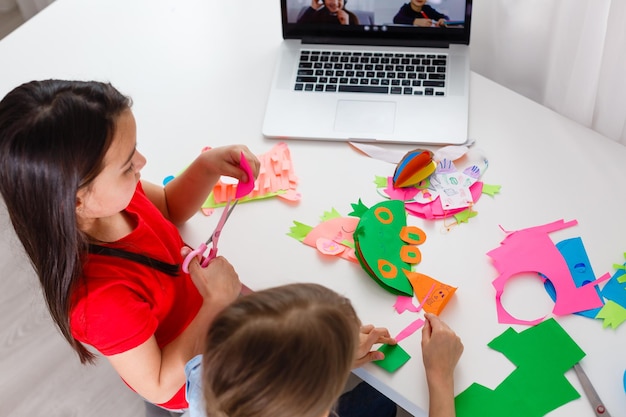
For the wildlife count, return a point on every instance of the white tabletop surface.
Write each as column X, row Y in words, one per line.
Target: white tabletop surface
column 182, row 63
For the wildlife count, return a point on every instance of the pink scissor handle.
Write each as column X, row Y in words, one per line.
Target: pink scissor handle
column 192, row 255
column 212, row 255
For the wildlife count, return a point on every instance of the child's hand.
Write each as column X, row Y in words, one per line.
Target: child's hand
column 441, row 349
column 226, row 161
column 343, row 17
column 218, row 283
column 368, row 337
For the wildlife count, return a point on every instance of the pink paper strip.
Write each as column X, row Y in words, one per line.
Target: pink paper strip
column 409, row 330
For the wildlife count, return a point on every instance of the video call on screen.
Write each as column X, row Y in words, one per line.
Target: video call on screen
column 377, row 13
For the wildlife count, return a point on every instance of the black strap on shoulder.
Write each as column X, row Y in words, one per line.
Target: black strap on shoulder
column 169, row 269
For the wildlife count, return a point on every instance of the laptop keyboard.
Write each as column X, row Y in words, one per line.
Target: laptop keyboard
column 372, row 72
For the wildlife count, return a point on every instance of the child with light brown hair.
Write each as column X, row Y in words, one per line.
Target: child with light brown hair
column 288, row 351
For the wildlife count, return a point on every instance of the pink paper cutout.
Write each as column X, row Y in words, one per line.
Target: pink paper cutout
column 403, row 194
column 244, row 188
column 432, row 288
column 338, row 230
column 404, row 303
column 329, row 247
column 434, row 210
column 532, row 250
column 409, row 330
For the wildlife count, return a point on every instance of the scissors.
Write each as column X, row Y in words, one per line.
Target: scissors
column 592, row 395
column 214, row 238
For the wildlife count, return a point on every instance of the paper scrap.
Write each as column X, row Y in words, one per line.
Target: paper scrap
column 395, row 357
column 541, row 354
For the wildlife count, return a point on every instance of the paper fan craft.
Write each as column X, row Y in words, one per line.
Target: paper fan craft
column 276, row 179
column 385, row 246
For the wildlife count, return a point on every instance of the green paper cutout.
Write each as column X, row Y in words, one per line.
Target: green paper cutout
column 358, row 209
column 380, row 182
column 542, row 354
column 299, row 231
column 491, row 189
column 395, row 357
column 211, row 203
column 332, row 214
column 612, row 313
column 378, row 245
column 347, row 243
column 465, row 215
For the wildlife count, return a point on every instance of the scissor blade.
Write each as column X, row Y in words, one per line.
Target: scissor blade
column 592, row 394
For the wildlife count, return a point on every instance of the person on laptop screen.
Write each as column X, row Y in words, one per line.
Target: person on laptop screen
column 328, row 11
column 418, row 13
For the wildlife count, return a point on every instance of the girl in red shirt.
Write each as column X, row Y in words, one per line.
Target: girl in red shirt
column 103, row 243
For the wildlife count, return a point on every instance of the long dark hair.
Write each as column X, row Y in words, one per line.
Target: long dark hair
column 54, row 135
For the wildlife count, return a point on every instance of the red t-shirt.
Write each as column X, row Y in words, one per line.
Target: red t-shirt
column 120, row 303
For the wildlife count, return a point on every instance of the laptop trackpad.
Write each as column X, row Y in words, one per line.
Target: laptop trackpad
column 368, row 117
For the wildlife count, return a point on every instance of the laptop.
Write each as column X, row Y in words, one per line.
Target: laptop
column 367, row 71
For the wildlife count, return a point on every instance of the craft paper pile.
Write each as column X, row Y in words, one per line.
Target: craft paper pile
column 566, row 270
column 449, row 184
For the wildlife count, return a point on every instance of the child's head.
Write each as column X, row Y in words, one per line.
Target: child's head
column 282, row 352
column 53, row 138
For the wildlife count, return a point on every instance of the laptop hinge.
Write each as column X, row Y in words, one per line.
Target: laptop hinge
column 369, row 42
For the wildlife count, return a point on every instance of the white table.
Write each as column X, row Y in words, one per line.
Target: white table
column 182, row 63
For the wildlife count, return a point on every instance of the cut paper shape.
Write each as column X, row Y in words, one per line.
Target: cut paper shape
column 491, row 189
column 414, row 167
column 613, row 315
column 532, row 250
column 465, row 215
column 333, row 236
column 409, row 330
column 244, row 188
column 431, row 210
column 276, row 179
column 404, row 194
column 379, row 245
column 542, row 354
column 395, row 357
column 434, row 294
column 404, row 303
column 615, row 288
column 448, row 191
column 575, row 255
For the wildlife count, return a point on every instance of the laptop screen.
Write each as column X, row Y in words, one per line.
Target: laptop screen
column 378, row 22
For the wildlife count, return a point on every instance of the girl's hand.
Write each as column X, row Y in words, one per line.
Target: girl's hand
column 226, row 161
column 218, row 283
column 441, row 349
column 369, row 336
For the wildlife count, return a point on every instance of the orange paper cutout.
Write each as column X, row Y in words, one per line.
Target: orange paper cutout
column 435, row 294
